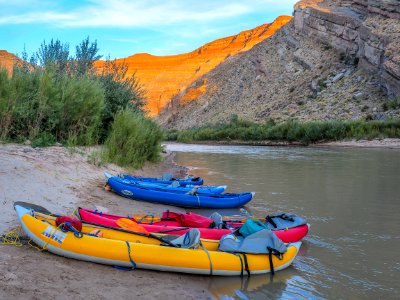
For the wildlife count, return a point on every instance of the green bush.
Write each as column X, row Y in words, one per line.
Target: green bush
column 120, row 92
column 37, row 104
column 309, row 132
column 133, row 140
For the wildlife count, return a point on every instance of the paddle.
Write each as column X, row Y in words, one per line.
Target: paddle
column 138, row 229
column 131, row 225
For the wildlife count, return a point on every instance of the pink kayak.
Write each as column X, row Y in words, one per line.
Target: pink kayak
column 175, row 227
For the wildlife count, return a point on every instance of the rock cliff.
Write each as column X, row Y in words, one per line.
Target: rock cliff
column 164, row 76
column 335, row 60
column 369, row 30
column 7, row 60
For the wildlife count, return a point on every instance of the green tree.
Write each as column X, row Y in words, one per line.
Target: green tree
column 120, row 91
column 85, row 57
column 54, row 55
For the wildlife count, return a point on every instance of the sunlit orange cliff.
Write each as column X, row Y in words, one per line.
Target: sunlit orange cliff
column 7, row 60
column 162, row 77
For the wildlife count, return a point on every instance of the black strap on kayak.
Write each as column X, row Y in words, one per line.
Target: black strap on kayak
column 223, row 225
column 285, row 217
column 279, row 255
column 241, row 264
column 271, row 264
column 268, row 219
column 167, row 218
column 246, row 265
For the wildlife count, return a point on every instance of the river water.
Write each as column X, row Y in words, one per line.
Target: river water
column 351, row 198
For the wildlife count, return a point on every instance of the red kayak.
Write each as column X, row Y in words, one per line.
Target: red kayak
column 177, row 226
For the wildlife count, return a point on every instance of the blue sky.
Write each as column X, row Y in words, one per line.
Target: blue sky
column 123, row 27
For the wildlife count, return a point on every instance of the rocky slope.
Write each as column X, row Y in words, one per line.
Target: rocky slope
column 7, row 60
column 164, row 76
column 335, row 60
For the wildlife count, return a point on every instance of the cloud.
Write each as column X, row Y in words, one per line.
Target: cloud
column 126, row 40
column 45, row 17
column 135, row 14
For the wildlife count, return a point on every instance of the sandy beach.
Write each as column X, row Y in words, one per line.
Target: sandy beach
column 61, row 180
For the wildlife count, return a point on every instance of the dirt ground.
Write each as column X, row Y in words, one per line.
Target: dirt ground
column 61, row 180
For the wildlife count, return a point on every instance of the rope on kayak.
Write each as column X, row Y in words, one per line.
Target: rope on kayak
column 67, row 226
column 241, row 264
column 74, row 213
column 209, row 257
column 145, row 218
column 130, row 257
column 99, row 212
column 198, row 200
column 12, row 237
column 49, row 237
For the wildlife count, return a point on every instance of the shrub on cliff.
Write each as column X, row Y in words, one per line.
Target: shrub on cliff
column 133, row 140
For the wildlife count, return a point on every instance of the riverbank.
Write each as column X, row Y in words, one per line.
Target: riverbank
column 60, row 180
column 391, row 143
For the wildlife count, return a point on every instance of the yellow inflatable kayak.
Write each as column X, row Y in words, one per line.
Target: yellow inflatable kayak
column 122, row 234
column 143, row 254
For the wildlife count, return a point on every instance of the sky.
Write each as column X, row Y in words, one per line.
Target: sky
column 125, row 27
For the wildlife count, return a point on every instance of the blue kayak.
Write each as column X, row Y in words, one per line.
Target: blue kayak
column 156, row 195
column 166, row 179
column 175, row 186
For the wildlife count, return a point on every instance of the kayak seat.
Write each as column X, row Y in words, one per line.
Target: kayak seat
column 217, row 218
column 175, row 184
column 189, row 240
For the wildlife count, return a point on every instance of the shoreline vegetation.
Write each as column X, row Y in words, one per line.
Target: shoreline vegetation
column 290, row 133
column 55, row 97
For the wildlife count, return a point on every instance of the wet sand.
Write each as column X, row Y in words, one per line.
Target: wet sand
column 60, row 181
column 382, row 143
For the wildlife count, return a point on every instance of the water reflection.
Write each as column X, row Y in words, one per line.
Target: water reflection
column 351, row 197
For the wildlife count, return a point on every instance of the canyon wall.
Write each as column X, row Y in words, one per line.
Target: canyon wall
column 164, row 76
column 368, row 30
column 335, row 60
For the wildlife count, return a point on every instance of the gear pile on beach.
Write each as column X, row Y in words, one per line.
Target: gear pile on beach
column 173, row 241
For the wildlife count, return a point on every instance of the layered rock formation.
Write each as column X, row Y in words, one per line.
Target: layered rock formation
column 7, row 60
column 368, row 30
column 336, row 60
column 164, row 76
